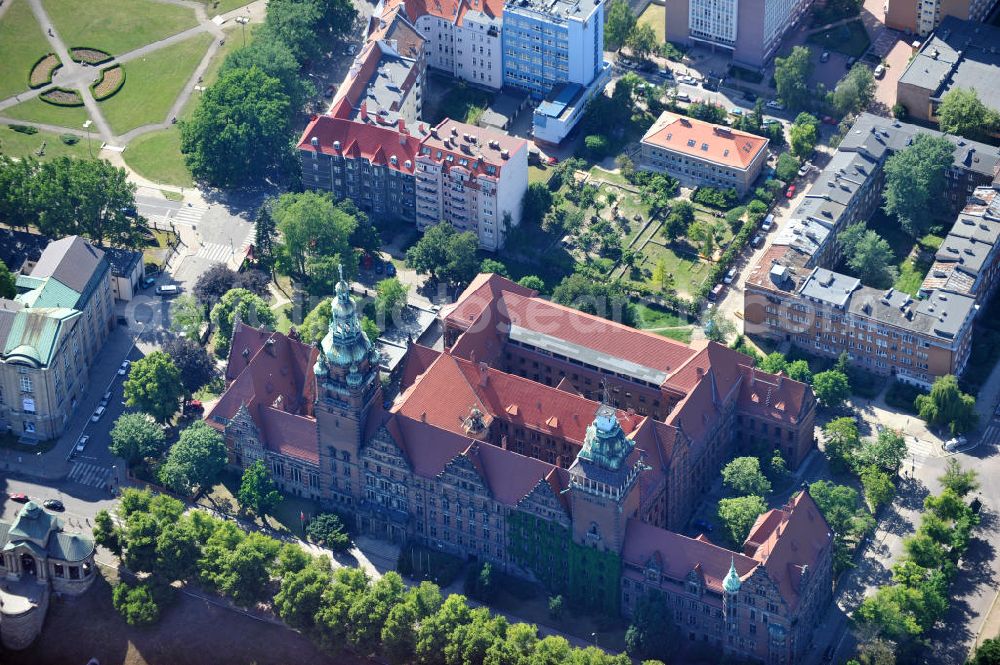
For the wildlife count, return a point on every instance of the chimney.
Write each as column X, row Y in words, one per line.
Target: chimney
column 423, row 416
column 781, row 378
column 269, row 347
column 364, row 111
column 401, row 124
column 484, row 375
column 700, row 371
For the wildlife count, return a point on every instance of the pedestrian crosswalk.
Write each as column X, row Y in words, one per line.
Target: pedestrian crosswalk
column 918, row 452
column 188, row 215
column 991, row 435
column 215, row 252
column 86, row 473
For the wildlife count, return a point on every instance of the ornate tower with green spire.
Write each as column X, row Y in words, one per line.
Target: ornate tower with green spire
column 604, row 488
column 347, row 389
column 731, row 586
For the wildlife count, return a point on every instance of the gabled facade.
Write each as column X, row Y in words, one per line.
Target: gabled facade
column 488, row 458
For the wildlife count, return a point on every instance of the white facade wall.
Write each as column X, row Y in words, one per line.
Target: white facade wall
column 510, row 190
column 715, row 21
column 478, row 51
column 439, row 42
column 586, row 46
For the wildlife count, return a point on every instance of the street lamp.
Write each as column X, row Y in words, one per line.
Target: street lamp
column 86, row 126
column 243, row 20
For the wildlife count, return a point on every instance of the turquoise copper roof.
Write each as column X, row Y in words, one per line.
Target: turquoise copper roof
column 732, row 582
column 605, row 443
column 70, row 546
column 33, row 524
column 345, row 343
column 35, row 333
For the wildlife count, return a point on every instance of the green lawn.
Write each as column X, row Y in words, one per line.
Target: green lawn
column 152, row 84
column 35, row 110
column 461, row 102
column 157, row 156
column 687, row 272
column 216, row 7
column 539, row 174
column 608, row 176
column 678, row 334
column 22, row 42
column 16, row 144
column 654, row 16
column 912, row 271
column 281, row 312
column 651, row 316
column 850, row 39
column 117, row 26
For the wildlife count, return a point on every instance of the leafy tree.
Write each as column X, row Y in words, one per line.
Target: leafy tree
column 556, row 608
column 679, row 220
column 17, row 191
column 214, row 283
column 532, row 282
column 878, row 487
column 368, row 613
column 316, row 323
column 301, row 593
column 251, row 309
column 370, row 329
column 238, row 133
column 869, row 255
column 831, row 388
column 296, row 25
column 598, row 298
column 841, row 442
column 446, row 254
column 327, row 529
column 804, row 135
column 947, row 406
column 434, row 632
column 774, row 362
column 791, row 76
column 274, row 58
column 494, row 266
column 738, row 514
column 855, row 91
column 718, row 328
column 652, row 633
column 885, row 452
column 140, row 534
column 178, row 550
column 642, row 40
column 961, row 112
column 924, row 551
column 186, row 316
column 707, row 111
column 887, row 613
column 7, row 282
column 596, row 145
column 743, row 476
column 537, row 201
column 787, row 168
column 258, row 493
column 987, row 653
column 390, row 298
column 849, row 521
column 88, row 197
column 914, row 180
column 480, row 582
column 958, row 481
column 255, row 282
column 245, row 572
column 619, row 23
column 135, row 437
column 135, row 603
column 778, row 468
column 107, row 534
column 335, row 604
column 798, row 370
column 315, row 239
column 195, row 461
column 192, row 361
column 154, row 386
column 265, row 232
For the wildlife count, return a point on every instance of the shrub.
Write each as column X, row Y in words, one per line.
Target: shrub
column 903, row 396
column 723, row 199
column 111, row 81
column 24, row 129
column 70, row 139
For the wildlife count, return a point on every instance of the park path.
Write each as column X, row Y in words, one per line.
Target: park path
column 73, row 75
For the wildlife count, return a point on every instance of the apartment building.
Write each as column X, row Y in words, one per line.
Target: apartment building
column 959, row 54
column 50, row 334
column 483, row 455
column 701, row 153
column 464, row 175
column 793, row 295
column 969, row 258
column 922, row 16
column 751, row 29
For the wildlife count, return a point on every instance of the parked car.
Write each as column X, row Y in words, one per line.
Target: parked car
column 168, row 290
column 776, row 105
column 551, row 161
column 82, row 443
column 791, row 192
column 830, row 120
column 98, row 413
column 194, row 405
column 757, row 240
column 123, row 370
column 703, row 525
column 768, row 223
column 880, row 71
column 379, row 266
column 730, row 276
column 770, row 121
column 956, row 443
column 825, row 56
column 54, row 504
column 20, row 498
column 804, row 169
column 682, row 97
column 148, row 282
column 666, row 73
column 850, row 62
column 390, row 269
column 736, row 111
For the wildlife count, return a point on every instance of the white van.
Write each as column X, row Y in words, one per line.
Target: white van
column 168, row 290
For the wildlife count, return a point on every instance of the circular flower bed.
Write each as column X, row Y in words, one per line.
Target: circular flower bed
column 91, row 56
column 41, row 73
column 111, row 81
column 62, row 97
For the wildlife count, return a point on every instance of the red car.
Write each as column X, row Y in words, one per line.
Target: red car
column 552, row 161
column 829, row 120
column 194, row 405
column 19, row 498
column 791, row 192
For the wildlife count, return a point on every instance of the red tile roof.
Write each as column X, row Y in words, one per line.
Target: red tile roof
column 771, row 396
column 394, row 26
column 276, row 384
column 482, row 292
column 361, row 139
column 416, row 361
column 704, row 140
column 679, row 555
column 787, row 541
column 449, row 10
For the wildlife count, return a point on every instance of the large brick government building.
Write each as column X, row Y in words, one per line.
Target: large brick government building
column 556, row 445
